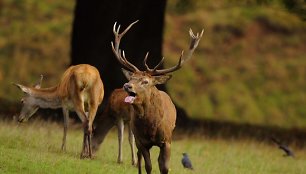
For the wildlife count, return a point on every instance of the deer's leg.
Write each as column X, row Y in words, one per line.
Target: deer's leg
column 66, row 117
column 139, row 155
column 132, row 145
column 85, row 149
column 79, row 108
column 92, row 110
column 163, row 158
column 146, row 156
column 120, row 125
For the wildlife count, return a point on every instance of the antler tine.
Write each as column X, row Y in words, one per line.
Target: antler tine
column 193, row 45
column 120, row 55
column 129, row 63
column 145, row 62
column 159, row 64
column 149, row 70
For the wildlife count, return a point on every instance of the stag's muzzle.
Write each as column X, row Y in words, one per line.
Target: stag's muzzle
column 131, row 94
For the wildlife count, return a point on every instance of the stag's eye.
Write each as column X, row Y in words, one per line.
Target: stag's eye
column 144, row 82
column 22, row 101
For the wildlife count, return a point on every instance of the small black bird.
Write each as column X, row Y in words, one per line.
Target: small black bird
column 285, row 148
column 186, row 162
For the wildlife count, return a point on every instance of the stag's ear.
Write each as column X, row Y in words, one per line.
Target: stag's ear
column 127, row 73
column 161, row 79
column 23, row 88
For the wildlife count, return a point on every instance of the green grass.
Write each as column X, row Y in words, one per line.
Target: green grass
column 34, row 147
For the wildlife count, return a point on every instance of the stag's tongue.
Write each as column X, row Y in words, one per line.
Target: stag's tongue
column 129, row 99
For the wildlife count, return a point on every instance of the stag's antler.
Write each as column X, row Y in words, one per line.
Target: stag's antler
column 120, row 55
column 193, row 45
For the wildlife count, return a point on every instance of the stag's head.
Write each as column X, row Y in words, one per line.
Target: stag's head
column 141, row 83
column 29, row 106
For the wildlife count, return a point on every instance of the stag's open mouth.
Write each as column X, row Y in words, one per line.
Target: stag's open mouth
column 130, row 99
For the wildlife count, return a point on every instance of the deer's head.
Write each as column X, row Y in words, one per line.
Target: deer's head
column 29, row 106
column 141, row 83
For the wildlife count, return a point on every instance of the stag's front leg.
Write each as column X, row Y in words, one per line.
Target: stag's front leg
column 163, row 158
column 146, row 156
column 66, row 117
column 120, row 125
column 139, row 156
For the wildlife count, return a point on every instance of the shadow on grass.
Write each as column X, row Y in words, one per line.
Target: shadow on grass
column 198, row 127
column 229, row 130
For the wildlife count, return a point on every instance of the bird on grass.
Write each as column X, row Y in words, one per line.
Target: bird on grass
column 285, row 148
column 186, row 162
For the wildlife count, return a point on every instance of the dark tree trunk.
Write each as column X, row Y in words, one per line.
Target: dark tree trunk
column 92, row 35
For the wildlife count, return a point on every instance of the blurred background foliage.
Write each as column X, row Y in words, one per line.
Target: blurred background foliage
column 250, row 66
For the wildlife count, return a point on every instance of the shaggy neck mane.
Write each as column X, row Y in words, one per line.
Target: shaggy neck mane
column 151, row 104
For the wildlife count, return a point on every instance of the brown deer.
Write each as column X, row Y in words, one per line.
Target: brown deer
column 79, row 89
column 118, row 113
column 154, row 115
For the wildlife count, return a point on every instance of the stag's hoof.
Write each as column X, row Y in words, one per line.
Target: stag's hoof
column 119, row 161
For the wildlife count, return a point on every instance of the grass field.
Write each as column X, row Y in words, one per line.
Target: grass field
column 34, row 147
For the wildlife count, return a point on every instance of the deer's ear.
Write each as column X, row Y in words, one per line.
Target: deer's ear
column 161, row 79
column 38, row 84
column 23, row 88
column 127, row 73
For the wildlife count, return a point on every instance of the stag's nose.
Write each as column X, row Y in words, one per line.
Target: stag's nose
column 127, row 87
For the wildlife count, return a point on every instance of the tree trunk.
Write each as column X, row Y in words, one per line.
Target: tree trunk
column 92, row 35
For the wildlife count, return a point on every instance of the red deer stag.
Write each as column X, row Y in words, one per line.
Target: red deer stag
column 116, row 112
column 154, row 115
column 80, row 88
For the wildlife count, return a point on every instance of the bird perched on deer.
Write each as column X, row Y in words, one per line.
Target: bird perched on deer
column 80, row 89
column 154, row 115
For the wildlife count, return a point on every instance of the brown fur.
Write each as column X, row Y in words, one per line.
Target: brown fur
column 154, row 119
column 155, row 115
column 118, row 113
column 79, row 89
